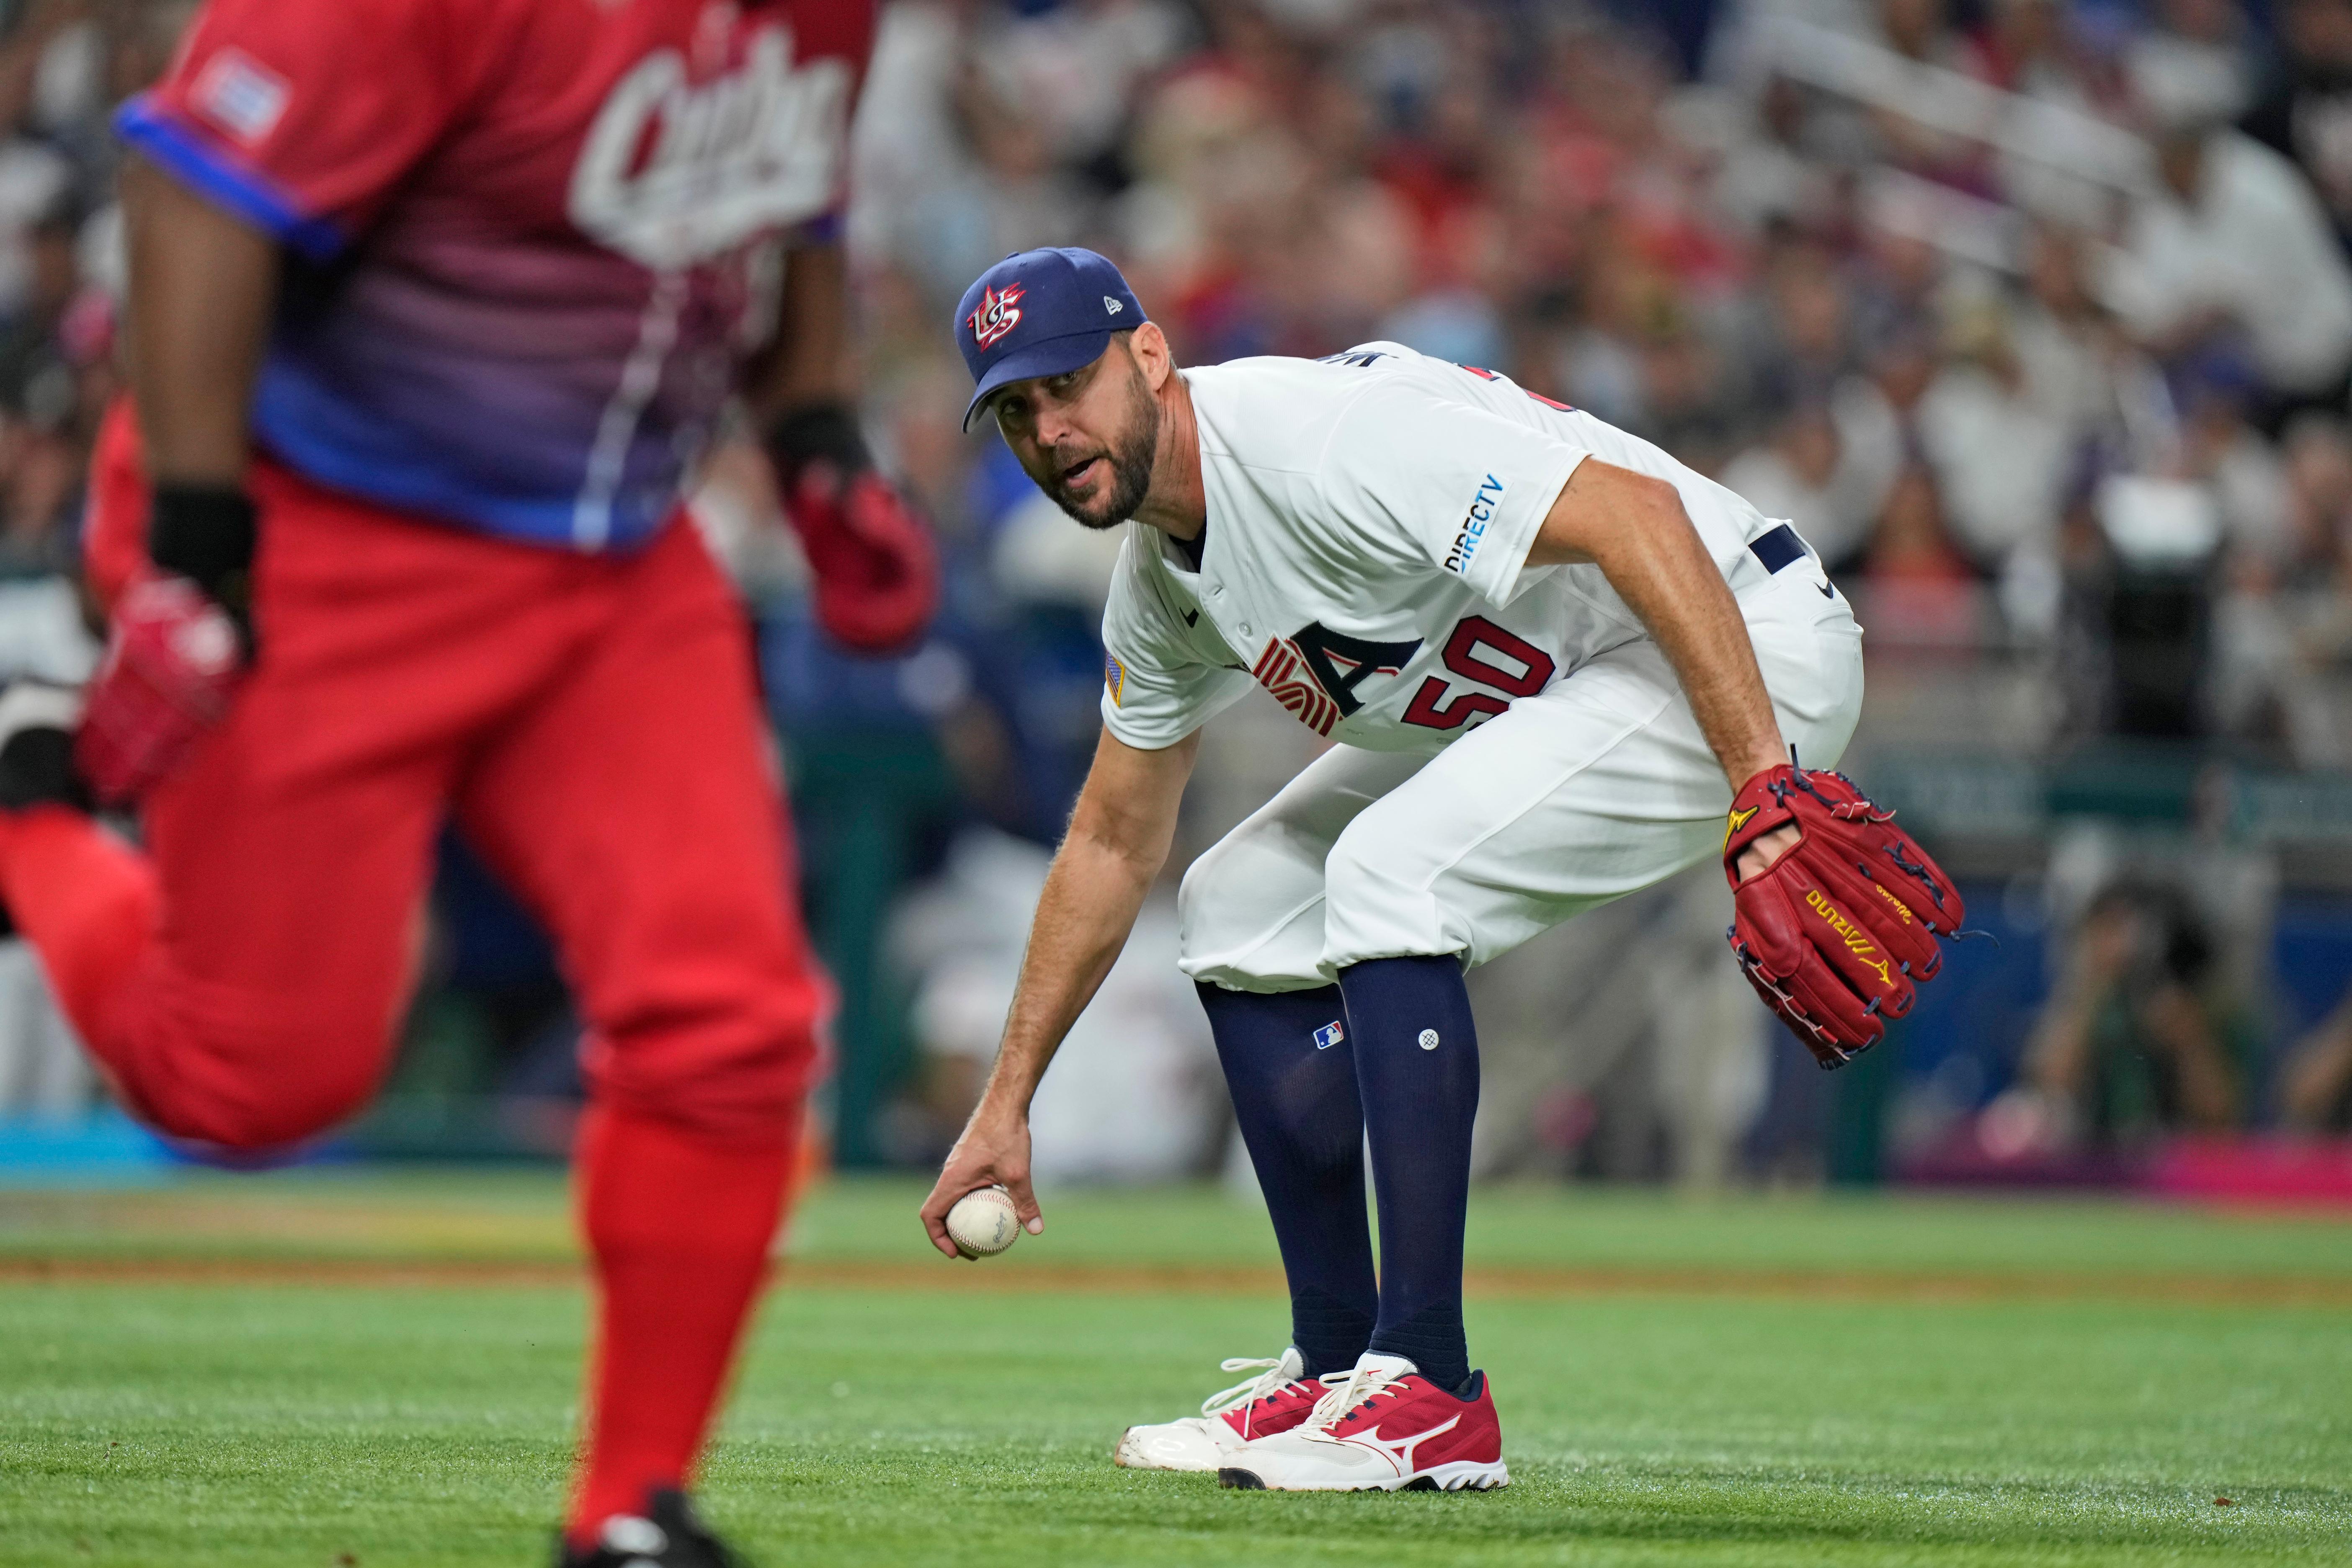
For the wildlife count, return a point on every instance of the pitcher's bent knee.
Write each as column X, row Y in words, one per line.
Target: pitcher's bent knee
column 1250, row 914
column 1380, row 901
column 1197, row 897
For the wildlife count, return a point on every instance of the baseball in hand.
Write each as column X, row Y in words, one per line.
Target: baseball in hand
column 982, row 1223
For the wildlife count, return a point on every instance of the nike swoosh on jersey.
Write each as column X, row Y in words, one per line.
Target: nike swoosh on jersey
column 1192, row 617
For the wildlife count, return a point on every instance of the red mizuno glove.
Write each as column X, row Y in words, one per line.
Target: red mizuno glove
column 174, row 660
column 877, row 574
column 1837, row 932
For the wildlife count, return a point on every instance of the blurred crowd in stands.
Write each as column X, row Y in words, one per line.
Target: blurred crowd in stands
column 2035, row 315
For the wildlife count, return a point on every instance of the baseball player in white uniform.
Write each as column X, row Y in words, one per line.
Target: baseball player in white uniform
column 1545, row 652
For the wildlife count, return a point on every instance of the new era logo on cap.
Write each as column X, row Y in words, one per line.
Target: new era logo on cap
column 1041, row 313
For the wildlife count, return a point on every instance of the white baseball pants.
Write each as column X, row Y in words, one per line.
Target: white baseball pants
column 1596, row 787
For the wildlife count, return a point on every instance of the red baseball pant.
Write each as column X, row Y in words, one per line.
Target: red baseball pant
column 591, row 722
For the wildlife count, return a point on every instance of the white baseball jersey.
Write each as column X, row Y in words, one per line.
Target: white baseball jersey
column 1369, row 522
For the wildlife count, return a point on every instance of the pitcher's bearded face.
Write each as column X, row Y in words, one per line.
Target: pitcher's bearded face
column 1086, row 437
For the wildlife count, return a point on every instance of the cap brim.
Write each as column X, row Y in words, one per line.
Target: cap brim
column 1055, row 356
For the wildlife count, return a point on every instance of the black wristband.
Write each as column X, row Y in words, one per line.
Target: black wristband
column 822, row 432
column 207, row 534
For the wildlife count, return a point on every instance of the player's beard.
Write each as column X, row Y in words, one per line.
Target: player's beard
column 1130, row 459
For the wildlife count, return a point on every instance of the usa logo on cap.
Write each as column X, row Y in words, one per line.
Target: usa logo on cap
column 999, row 314
column 1067, row 303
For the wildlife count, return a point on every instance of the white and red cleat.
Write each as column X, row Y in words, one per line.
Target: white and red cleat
column 1386, row 1428
column 1276, row 1400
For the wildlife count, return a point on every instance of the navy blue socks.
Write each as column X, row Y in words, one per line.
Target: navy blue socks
column 1310, row 1076
column 1291, row 1068
column 1417, row 1076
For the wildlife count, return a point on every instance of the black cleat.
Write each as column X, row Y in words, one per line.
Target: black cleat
column 37, row 726
column 667, row 1536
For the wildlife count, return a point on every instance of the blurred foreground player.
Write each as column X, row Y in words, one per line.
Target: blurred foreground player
column 434, row 304
column 1551, row 656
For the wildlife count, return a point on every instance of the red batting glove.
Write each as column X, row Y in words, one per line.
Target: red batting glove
column 877, row 573
column 174, row 660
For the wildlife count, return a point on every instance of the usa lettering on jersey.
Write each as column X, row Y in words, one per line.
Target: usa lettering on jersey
column 1283, row 672
column 1340, row 663
column 1313, row 674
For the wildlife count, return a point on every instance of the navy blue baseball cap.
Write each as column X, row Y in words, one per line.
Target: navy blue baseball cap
column 1040, row 312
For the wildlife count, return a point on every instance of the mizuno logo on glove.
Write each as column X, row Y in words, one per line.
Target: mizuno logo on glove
column 1855, row 943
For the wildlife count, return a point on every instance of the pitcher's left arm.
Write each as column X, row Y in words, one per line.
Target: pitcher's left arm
column 1634, row 529
column 1838, row 912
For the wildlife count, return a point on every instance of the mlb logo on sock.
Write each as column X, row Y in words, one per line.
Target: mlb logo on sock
column 1329, row 1035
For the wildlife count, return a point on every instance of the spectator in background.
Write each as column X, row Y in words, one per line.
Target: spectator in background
column 2083, row 369
column 36, row 176
column 2306, row 114
column 37, row 374
column 1138, row 1097
column 2316, row 588
column 2136, row 1040
column 2275, row 625
column 1919, row 589
column 1770, row 175
column 2317, row 454
column 2231, row 240
column 2027, row 47
column 2316, row 1088
column 1808, row 334
column 1829, row 467
column 2221, row 450
column 2002, row 456
column 2201, row 46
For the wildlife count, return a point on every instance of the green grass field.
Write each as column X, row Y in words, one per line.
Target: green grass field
column 332, row 1368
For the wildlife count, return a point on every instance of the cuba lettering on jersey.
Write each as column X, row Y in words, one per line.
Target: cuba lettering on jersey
column 1370, row 518
column 539, row 234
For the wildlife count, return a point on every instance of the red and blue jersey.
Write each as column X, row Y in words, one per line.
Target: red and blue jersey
column 530, row 239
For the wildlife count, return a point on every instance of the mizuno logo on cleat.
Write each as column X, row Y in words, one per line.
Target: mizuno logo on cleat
column 1400, row 1453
